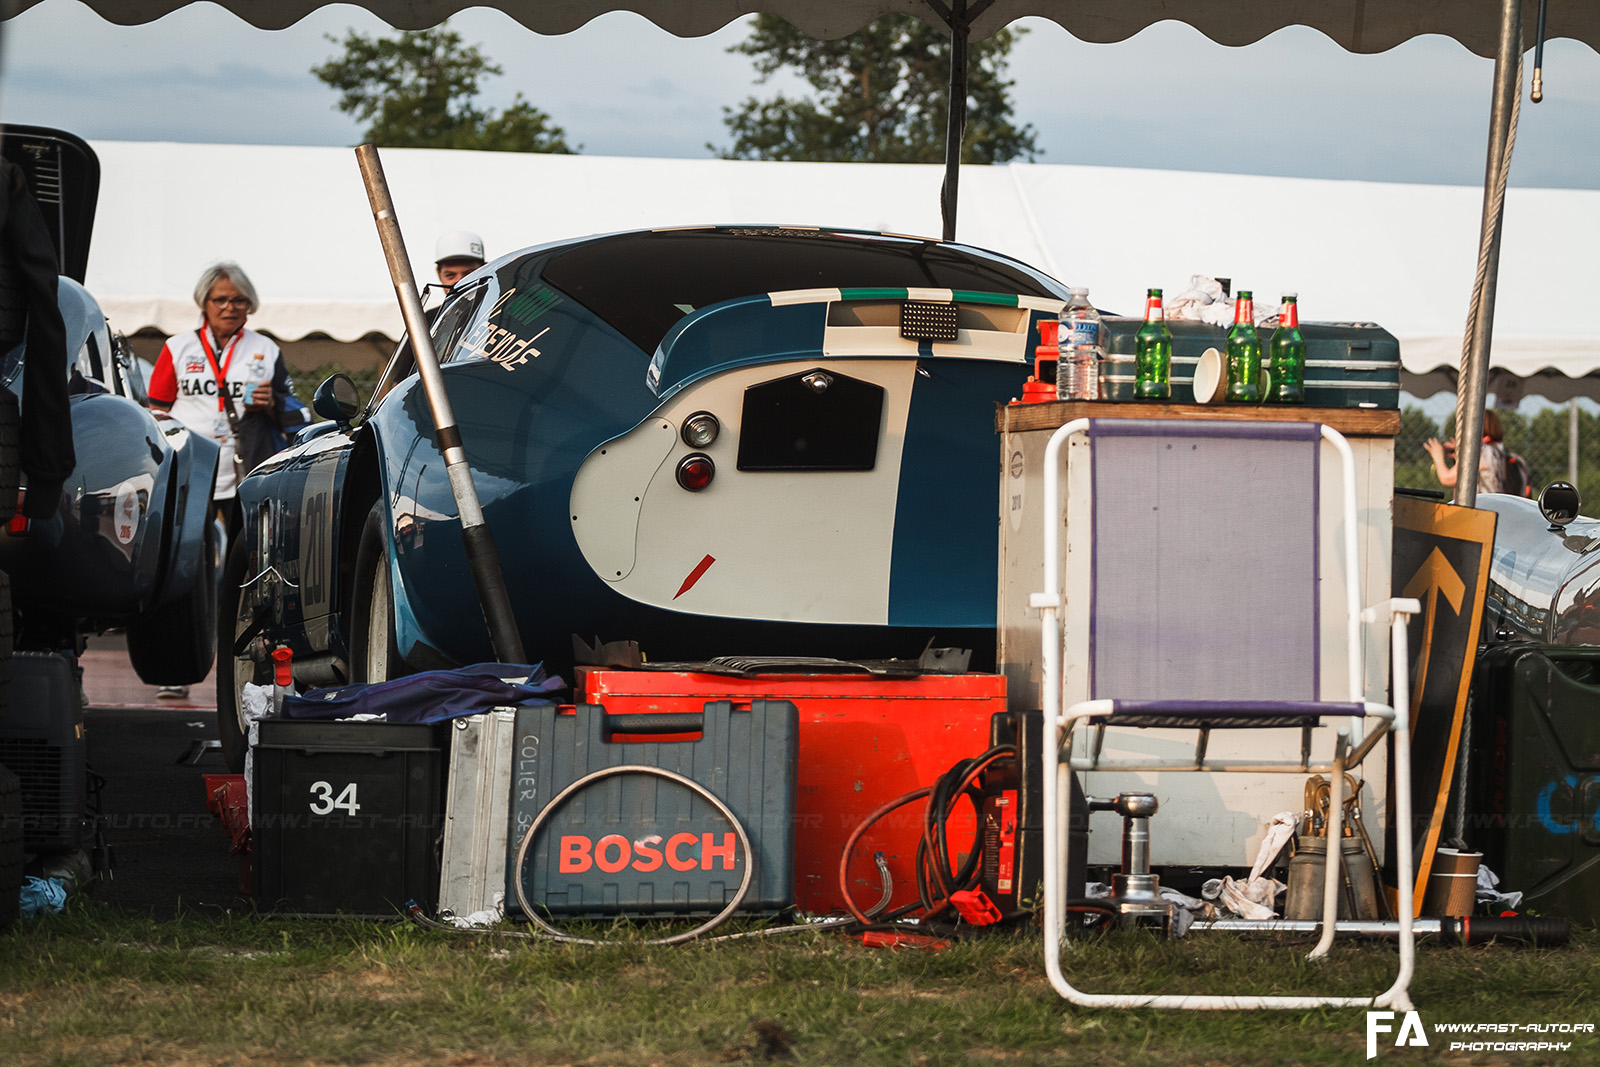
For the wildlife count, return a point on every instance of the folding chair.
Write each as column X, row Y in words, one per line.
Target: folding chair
column 1202, row 565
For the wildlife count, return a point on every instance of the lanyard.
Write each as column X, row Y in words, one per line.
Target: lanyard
column 227, row 361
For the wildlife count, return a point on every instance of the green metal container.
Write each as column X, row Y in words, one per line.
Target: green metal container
column 1348, row 364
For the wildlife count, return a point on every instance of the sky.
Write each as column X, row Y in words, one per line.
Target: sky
column 1294, row 104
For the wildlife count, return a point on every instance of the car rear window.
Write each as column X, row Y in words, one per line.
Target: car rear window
column 642, row 283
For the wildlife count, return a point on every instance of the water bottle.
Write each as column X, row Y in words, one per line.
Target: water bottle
column 1082, row 346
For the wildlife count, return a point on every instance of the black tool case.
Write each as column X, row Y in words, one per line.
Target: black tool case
column 345, row 817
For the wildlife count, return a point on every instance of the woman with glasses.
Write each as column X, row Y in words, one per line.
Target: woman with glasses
column 223, row 379
column 227, row 382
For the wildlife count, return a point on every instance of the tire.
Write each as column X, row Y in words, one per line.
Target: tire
column 6, row 646
column 11, row 850
column 374, row 655
column 175, row 644
column 11, row 843
column 233, row 619
column 10, row 453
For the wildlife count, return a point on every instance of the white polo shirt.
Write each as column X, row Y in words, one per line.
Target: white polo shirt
column 187, row 374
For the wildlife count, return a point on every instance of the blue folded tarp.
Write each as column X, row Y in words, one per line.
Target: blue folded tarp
column 432, row 696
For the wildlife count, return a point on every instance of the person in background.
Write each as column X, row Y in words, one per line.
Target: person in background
column 1491, row 458
column 458, row 254
column 225, row 381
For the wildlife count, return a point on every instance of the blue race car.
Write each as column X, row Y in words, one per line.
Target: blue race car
column 710, row 441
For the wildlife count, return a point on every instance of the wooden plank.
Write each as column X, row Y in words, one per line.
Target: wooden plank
column 1352, row 422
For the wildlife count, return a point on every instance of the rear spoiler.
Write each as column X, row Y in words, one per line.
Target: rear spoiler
column 807, row 324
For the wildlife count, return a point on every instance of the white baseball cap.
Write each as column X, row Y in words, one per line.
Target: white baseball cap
column 459, row 244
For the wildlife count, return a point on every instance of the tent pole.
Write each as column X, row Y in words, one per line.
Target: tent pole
column 482, row 557
column 1475, row 364
column 1572, row 440
column 956, row 120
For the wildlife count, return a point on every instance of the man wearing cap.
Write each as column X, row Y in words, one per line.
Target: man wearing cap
column 458, row 254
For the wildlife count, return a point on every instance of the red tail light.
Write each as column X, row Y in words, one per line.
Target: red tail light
column 695, row 471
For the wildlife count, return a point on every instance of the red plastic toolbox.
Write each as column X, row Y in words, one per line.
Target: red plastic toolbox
column 864, row 740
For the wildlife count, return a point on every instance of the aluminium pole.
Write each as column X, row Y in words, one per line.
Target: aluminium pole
column 482, row 558
column 1472, row 384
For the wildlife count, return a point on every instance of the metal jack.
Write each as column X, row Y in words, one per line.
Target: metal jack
column 1134, row 890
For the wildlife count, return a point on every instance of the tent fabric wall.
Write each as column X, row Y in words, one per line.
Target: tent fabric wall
column 298, row 221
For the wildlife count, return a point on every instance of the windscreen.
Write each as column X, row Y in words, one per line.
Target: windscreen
column 642, row 283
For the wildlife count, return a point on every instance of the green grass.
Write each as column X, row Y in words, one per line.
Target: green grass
column 96, row 987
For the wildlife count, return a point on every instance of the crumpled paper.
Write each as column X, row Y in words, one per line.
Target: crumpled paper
column 1488, row 890
column 1204, row 301
column 487, row 917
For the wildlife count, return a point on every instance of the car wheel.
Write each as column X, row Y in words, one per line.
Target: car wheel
column 10, row 453
column 6, row 646
column 374, row 655
column 11, row 850
column 234, row 617
column 11, row 844
column 176, row 643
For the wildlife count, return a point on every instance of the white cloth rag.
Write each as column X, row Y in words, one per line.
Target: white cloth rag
column 1255, row 898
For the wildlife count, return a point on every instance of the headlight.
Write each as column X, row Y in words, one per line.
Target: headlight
column 700, row 429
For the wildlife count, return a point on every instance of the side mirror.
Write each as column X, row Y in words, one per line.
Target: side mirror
column 1559, row 504
column 337, row 399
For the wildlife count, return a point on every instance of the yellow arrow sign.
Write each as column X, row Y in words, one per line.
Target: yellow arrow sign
column 1438, row 578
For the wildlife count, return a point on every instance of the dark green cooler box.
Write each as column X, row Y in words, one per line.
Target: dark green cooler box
column 1532, row 786
column 1348, row 364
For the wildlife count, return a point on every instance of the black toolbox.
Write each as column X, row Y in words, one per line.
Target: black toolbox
column 345, row 817
column 635, row 842
column 1530, row 796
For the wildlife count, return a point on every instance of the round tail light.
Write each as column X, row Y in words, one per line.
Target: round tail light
column 696, row 471
column 700, row 429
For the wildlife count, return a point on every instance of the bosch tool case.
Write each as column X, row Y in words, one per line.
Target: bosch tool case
column 865, row 739
column 637, row 842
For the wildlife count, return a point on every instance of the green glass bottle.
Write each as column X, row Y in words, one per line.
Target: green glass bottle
column 1153, row 352
column 1288, row 350
column 1244, row 353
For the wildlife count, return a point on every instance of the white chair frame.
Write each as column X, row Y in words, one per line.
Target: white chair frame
column 1351, row 745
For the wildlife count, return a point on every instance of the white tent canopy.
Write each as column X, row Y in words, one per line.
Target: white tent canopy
column 298, row 220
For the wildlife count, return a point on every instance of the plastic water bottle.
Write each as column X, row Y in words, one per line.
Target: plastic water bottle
column 1082, row 346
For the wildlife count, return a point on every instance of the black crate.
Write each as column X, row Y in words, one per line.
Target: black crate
column 345, row 817
column 636, row 843
column 42, row 743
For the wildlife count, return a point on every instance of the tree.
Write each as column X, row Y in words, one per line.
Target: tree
column 880, row 96
column 417, row 90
